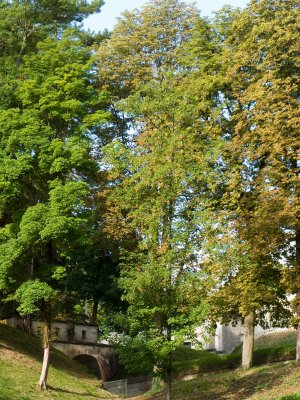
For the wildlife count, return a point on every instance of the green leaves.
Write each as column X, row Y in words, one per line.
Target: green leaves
column 32, row 223
column 197, row 122
column 50, row 110
column 156, row 180
column 30, row 294
column 252, row 232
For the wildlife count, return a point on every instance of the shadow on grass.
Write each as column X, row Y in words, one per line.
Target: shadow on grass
column 245, row 386
column 242, row 387
column 7, row 395
column 60, row 390
column 21, row 342
column 189, row 361
column 5, row 347
column 234, row 386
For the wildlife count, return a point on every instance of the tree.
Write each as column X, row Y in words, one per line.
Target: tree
column 24, row 24
column 262, row 185
column 153, row 176
column 143, row 46
column 159, row 278
column 93, row 278
column 47, row 170
column 246, row 275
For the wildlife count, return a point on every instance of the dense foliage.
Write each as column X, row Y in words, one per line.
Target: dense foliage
column 153, row 171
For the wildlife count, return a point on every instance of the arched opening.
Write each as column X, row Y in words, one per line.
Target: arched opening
column 90, row 362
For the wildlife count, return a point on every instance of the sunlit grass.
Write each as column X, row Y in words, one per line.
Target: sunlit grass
column 273, row 347
column 20, row 364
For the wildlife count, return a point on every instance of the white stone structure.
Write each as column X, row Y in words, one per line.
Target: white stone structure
column 228, row 337
column 69, row 332
column 99, row 358
column 61, row 331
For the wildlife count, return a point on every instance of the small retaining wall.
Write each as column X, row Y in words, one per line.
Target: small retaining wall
column 129, row 387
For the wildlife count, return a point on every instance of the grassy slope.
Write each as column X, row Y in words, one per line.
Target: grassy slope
column 277, row 381
column 269, row 348
column 20, row 364
column 21, row 355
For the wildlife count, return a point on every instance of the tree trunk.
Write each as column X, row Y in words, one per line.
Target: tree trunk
column 27, row 324
column 169, row 368
column 298, row 295
column 45, row 367
column 248, row 342
column 94, row 312
column 298, row 327
column 168, row 384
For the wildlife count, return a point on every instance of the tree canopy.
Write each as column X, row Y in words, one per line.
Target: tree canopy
column 151, row 172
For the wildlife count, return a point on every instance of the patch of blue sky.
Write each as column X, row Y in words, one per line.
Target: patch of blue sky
column 112, row 9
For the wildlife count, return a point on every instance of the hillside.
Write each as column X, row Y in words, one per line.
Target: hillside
column 21, row 355
column 271, row 381
column 278, row 381
column 278, row 346
column 20, row 363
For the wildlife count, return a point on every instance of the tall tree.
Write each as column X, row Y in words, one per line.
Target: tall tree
column 152, row 180
column 242, row 259
column 47, row 168
column 140, row 50
column 159, row 278
column 263, row 152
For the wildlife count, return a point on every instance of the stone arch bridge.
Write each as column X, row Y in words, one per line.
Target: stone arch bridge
column 78, row 341
column 97, row 357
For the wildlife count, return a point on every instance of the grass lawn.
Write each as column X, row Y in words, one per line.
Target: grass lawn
column 21, row 358
column 278, row 381
column 279, row 346
column 272, row 381
column 20, row 365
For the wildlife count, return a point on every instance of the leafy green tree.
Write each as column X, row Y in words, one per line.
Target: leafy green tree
column 157, row 174
column 47, row 171
column 159, row 278
column 128, row 57
column 246, row 276
column 94, row 276
column 24, row 24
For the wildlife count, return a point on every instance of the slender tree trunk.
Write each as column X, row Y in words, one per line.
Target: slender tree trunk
column 248, row 342
column 298, row 295
column 156, row 381
column 168, row 384
column 28, row 325
column 46, row 345
column 169, row 368
column 298, row 326
column 94, row 311
column 27, row 320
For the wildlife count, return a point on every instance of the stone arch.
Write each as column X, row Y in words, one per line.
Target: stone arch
column 103, row 355
column 90, row 362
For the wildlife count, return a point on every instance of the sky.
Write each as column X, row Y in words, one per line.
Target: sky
column 113, row 8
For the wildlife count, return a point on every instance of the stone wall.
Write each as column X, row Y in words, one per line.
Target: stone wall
column 228, row 337
column 69, row 332
column 85, row 333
